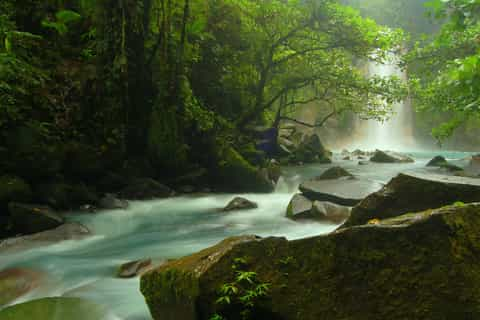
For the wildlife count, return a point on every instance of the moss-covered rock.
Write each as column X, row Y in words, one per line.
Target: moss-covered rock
column 234, row 173
column 417, row 266
column 56, row 308
column 437, row 161
column 413, row 193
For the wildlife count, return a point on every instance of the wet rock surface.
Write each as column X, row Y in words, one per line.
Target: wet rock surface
column 416, row 266
column 345, row 191
column 414, row 192
column 134, row 268
column 240, row 203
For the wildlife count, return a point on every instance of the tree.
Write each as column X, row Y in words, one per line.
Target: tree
column 448, row 68
column 298, row 44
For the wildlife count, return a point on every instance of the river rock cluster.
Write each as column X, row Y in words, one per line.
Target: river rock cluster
column 411, row 250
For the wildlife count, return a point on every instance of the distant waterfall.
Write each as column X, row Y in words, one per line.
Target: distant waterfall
column 395, row 133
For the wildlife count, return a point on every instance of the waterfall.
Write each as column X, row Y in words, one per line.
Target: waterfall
column 395, row 133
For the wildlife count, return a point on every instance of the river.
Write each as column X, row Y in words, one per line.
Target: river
column 171, row 228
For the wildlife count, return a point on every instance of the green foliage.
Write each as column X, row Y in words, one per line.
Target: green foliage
column 63, row 19
column 244, row 293
column 448, row 68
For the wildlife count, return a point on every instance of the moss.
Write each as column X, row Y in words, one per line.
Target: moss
column 416, row 266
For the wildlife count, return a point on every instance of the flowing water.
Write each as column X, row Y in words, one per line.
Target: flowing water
column 396, row 132
column 171, row 228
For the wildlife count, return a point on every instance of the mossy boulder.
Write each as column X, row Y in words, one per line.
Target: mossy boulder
column 235, row 174
column 13, row 188
column 414, row 192
column 416, row 266
column 56, row 308
column 28, row 219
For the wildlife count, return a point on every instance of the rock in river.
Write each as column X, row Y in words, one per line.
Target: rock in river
column 299, row 207
column 389, row 157
column 417, row 266
column 67, row 231
column 437, row 161
column 240, row 203
column 111, row 202
column 413, row 193
column 134, row 268
column 28, row 219
column 334, row 173
column 346, row 192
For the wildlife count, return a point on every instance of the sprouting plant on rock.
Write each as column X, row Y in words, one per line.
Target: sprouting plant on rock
column 244, row 293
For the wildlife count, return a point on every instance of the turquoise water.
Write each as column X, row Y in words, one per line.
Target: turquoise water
column 172, row 228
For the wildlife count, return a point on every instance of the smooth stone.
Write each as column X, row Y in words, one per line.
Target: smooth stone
column 111, row 202
column 437, row 161
column 28, row 219
column 299, row 207
column 239, row 203
column 363, row 163
column 67, row 231
column 327, row 211
column 389, row 157
column 413, row 192
column 56, row 309
column 334, row 173
column 17, row 282
column 347, row 192
column 134, row 268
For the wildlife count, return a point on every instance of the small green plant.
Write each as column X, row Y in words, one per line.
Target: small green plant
column 244, row 293
column 62, row 19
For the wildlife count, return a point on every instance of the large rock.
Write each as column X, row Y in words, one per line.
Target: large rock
column 239, row 203
column 334, row 173
column 67, row 231
column 312, row 150
column 418, row 266
column 145, row 189
column 17, row 282
column 235, row 174
column 299, row 207
column 28, row 219
column 389, row 157
column 346, row 191
column 414, row 192
column 56, row 309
